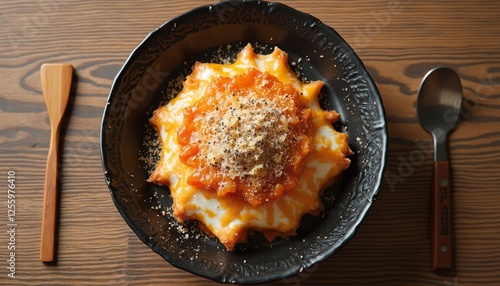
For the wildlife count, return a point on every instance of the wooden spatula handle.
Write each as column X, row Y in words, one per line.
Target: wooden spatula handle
column 49, row 214
column 440, row 220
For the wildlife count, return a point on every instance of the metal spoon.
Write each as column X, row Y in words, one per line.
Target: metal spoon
column 438, row 108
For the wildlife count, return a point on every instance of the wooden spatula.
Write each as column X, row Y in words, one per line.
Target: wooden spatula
column 56, row 85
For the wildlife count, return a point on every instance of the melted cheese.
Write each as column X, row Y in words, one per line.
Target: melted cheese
column 230, row 218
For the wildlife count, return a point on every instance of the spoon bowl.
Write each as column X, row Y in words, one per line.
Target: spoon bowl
column 438, row 109
column 438, row 106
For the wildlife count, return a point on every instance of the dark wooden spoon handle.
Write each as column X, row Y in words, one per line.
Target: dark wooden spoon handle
column 440, row 220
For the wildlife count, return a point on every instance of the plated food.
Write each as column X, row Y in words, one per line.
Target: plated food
column 246, row 146
column 156, row 69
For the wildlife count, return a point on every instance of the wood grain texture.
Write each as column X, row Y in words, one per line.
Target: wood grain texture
column 399, row 41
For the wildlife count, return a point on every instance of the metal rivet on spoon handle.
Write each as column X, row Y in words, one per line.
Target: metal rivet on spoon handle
column 438, row 109
column 56, row 84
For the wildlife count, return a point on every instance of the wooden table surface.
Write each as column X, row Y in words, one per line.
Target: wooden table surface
column 399, row 41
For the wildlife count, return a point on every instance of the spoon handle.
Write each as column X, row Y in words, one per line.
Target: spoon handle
column 441, row 248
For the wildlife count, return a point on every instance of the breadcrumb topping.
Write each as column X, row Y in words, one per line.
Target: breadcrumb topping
column 250, row 141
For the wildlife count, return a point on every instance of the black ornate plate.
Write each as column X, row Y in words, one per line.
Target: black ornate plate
column 214, row 33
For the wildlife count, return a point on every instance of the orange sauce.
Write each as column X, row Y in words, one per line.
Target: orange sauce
column 220, row 99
